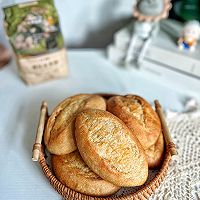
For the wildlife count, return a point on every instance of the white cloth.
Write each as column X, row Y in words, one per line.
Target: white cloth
column 183, row 179
column 22, row 179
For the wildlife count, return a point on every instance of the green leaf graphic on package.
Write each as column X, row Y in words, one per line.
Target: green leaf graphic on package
column 33, row 28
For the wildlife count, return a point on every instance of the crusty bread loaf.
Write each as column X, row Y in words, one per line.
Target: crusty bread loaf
column 138, row 115
column 59, row 131
column 72, row 171
column 110, row 149
column 155, row 153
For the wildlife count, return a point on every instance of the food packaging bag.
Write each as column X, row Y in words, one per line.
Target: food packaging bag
column 34, row 33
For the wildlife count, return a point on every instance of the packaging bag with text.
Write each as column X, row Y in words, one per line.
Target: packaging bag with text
column 34, row 33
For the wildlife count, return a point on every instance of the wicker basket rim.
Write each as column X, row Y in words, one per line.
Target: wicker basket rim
column 143, row 193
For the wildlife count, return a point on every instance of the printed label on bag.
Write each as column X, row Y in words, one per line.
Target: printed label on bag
column 47, row 66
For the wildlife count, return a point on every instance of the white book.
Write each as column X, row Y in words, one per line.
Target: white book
column 158, row 71
column 164, row 51
column 173, row 78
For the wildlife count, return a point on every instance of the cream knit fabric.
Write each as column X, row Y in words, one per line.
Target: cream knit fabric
column 183, row 179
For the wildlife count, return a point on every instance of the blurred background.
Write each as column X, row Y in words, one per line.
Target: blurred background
column 92, row 23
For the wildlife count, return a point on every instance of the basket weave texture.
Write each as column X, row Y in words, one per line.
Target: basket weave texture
column 143, row 193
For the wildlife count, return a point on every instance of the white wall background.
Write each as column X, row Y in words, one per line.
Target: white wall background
column 87, row 23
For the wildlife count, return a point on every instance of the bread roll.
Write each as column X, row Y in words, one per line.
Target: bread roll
column 59, row 131
column 110, row 149
column 138, row 115
column 155, row 153
column 71, row 170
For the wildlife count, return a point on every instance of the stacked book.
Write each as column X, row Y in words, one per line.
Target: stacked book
column 162, row 55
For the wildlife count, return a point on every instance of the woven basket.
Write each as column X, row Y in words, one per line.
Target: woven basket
column 142, row 193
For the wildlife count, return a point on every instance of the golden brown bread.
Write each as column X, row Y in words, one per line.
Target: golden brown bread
column 59, row 131
column 138, row 115
column 155, row 153
column 110, row 149
column 72, row 171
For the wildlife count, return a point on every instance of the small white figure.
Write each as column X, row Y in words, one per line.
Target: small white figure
column 190, row 36
column 143, row 33
column 132, row 42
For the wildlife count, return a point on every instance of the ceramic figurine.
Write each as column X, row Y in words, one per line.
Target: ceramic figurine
column 190, row 36
column 132, row 42
column 151, row 10
column 147, row 13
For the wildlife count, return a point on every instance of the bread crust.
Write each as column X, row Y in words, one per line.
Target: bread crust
column 72, row 171
column 155, row 153
column 138, row 115
column 59, row 132
column 110, row 149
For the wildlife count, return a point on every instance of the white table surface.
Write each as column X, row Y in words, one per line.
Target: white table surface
column 20, row 178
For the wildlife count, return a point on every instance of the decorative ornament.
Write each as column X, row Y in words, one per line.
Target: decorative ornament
column 190, row 36
column 147, row 13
